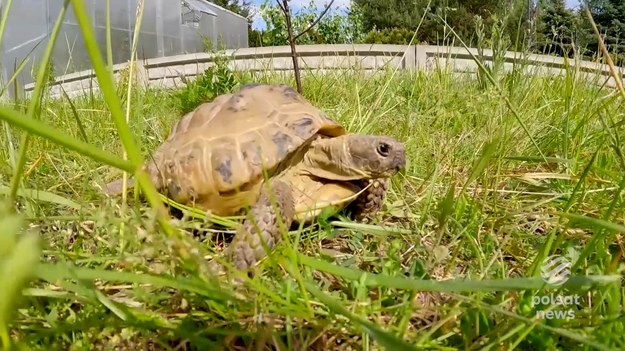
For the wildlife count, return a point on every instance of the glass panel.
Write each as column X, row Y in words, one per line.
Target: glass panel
column 13, row 58
column 69, row 52
column 54, row 8
column 70, row 16
column 231, row 29
column 162, row 31
column 171, row 18
column 147, row 46
column 191, row 40
column 172, row 46
column 150, row 7
column 121, row 14
column 121, row 44
column 208, row 25
column 27, row 21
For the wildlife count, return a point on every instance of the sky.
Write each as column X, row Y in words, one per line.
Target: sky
column 258, row 23
column 296, row 5
column 572, row 3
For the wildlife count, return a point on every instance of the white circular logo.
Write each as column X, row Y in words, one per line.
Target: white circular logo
column 555, row 270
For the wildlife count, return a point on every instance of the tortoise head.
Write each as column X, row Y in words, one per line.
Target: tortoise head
column 375, row 156
column 356, row 156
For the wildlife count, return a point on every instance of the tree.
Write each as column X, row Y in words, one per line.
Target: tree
column 332, row 28
column 397, row 16
column 519, row 25
column 609, row 15
column 382, row 14
column 556, row 28
column 281, row 27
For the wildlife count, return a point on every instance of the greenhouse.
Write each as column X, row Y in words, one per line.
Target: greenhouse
column 168, row 28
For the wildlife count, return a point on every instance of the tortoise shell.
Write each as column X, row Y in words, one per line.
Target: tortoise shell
column 224, row 145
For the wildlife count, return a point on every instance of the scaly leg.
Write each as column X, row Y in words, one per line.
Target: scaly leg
column 262, row 226
column 367, row 205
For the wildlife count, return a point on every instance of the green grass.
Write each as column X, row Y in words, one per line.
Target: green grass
column 477, row 204
column 503, row 171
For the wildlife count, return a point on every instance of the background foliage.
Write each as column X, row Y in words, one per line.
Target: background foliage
column 538, row 26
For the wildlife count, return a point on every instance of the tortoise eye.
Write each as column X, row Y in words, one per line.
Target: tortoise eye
column 383, row 149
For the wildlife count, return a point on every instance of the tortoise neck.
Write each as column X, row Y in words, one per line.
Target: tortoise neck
column 330, row 158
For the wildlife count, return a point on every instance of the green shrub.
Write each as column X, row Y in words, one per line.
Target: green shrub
column 215, row 80
column 389, row 36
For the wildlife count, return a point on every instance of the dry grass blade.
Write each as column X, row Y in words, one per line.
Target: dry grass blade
column 618, row 80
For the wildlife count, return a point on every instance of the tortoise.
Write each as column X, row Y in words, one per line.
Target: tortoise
column 267, row 142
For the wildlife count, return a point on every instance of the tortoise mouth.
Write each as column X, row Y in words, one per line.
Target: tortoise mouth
column 399, row 168
column 391, row 172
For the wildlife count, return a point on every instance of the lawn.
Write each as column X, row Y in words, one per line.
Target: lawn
column 497, row 179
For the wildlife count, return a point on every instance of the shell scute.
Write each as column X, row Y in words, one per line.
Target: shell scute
column 227, row 168
column 237, row 103
column 284, row 144
column 303, row 127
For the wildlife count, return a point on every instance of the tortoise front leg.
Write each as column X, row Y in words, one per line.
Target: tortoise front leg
column 370, row 201
column 262, row 227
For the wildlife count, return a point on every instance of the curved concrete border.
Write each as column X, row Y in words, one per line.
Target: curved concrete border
column 173, row 71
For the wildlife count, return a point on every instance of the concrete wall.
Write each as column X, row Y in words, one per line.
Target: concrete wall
column 167, row 72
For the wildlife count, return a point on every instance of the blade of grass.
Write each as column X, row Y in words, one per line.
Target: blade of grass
column 35, row 292
column 18, row 69
column 487, row 152
column 81, row 128
column 42, row 195
column 483, row 69
column 107, row 87
column 7, row 129
column 384, row 338
column 574, row 196
column 606, row 54
column 4, row 20
column 591, row 222
column 131, row 74
column 560, row 331
column 57, row 271
column 538, row 159
column 35, row 102
column 9, row 144
column 16, row 267
column 398, row 282
column 39, row 128
column 109, row 45
column 371, row 228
